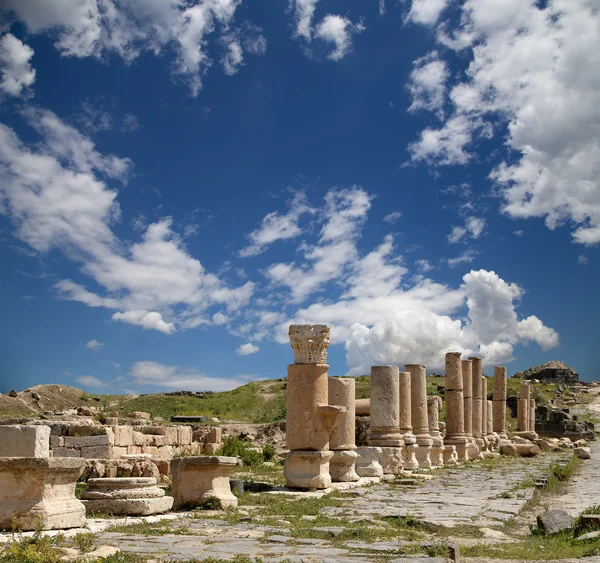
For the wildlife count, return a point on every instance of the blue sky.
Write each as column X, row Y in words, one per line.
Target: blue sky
column 180, row 181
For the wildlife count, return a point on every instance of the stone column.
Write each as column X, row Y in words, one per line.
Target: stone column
column 477, row 402
column 531, row 415
column 342, row 467
column 385, row 417
column 409, row 457
column 433, row 416
column 418, row 403
column 500, row 401
column 492, row 437
column 310, row 417
column 523, row 407
column 455, row 424
column 467, row 375
column 484, row 417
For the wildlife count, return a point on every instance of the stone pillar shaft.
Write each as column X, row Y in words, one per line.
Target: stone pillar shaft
column 420, row 424
column 522, row 415
column 532, row 415
column 455, row 426
column 477, row 397
column 484, row 406
column 342, row 392
column 385, row 406
column 405, row 403
column 467, row 373
column 500, row 400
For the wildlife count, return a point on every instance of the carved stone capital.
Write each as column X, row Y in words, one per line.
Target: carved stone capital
column 310, row 343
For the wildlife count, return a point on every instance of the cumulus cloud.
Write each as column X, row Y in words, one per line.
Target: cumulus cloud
column 89, row 381
column 94, row 345
column 276, row 226
column 465, row 257
column 16, row 73
column 56, row 194
column 582, row 260
column 417, row 335
column 179, row 377
column 335, row 29
column 473, row 228
column 427, row 84
column 392, row 217
column 426, row 12
column 100, row 28
column 519, row 52
column 247, row 349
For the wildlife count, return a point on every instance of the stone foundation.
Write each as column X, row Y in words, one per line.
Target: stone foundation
column 133, row 496
column 40, row 489
column 308, row 469
column 367, row 463
column 342, row 466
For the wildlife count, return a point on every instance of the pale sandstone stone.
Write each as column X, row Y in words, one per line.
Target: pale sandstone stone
column 111, row 436
column 309, row 343
column 33, row 489
column 499, row 406
column 184, row 435
column 484, row 406
column 211, row 449
column 525, row 390
column 532, row 415
column 140, row 415
column 307, row 469
column 450, row 455
column 433, row 414
column 583, row 452
column 97, row 452
column 455, row 425
column 409, row 458
column 527, row 450
column 508, row 448
column 467, row 373
column 196, row 479
column 367, row 463
column 91, row 441
column 477, row 400
column 119, row 451
column 385, row 404
column 342, row 393
column 362, row 406
column 420, row 426
column 342, row 466
column 391, row 460
column 523, row 415
column 24, row 441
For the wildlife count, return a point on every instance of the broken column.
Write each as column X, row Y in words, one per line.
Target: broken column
column 385, row 418
column 477, row 401
column 409, row 458
column 523, row 414
column 198, row 479
column 455, row 425
column 499, row 406
column 37, row 490
column 367, row 463
column 434, row 404
column 467, row 377
column 310, row 417
column 125, row 496
column 418, row 404
column 484, row 416
column 342, row 439
column 532, row 415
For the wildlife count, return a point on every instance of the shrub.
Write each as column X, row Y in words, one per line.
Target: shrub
column 235, row 447
column 268, row 452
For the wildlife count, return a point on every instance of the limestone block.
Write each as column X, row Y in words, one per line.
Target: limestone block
column 184, row 435
column 362, row 407
column 555, row 521
column 24, row 441
column 140, row 415
column 342, row 466
column 91, row 441
column 196, row 479
column 342, row 393
column 139, row 439
column 215, row 435
column 163, row 465
column 307, row 469
column 390, row 460
column 166, row 452
column 60, row 452
column 69, row 441
column 119, row 451
column 73, row 452
column 145, row 468
column 508, row 448
column 55, row 442
column 527, row 450
column 123, row 435
column 367, row 463
column 111, row 435
column 40, row 488
column 134, row 450
column 129, row 507
column 385, row 406
column 78, row 430
column 409, row 456
column 110, row 421
column 152, row 450
column 450, row 455
column 156, row 440
column 161, row 435
column 583, row 453
column 211, row 449
column 97, row 452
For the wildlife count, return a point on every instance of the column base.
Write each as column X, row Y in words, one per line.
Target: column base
column 449, row 455
column 460, row 444
column 409, row 456
column 367, row 463
column 307, row 470
column 437, row 455
column 423, row 453
column 473, row 452
column 391, row 461
column 385, row 437
column 342, row 466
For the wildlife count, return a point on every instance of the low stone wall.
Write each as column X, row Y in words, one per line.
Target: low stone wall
column 114, row 442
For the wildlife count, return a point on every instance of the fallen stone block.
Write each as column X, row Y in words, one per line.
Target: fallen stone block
column 97, row 452
column 140, row 415
column 554, row 521
column 24, row 441
column 583, row 453
column 527, row 450
column 184, row 435
column 508, row 448
column 91, row 441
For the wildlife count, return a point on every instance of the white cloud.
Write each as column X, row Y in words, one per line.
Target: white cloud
column 464, row 258
column 304, row 12
column 426, row 12
column 219, row 318
column 276, row 226
column 520, row 52
column 338, row 30
column 392, row 217
column 582, row 260
column 419, row 335
column 89, row 381
column 145, row 319
column 100, row 28
column 427, row 84
column 474, row 227
column 16, row 74
column 57, row 198
column 94, row 345
column 246, row 349
column 178, row 377
column 519, row 233
column 456, row 235
column 424, row 266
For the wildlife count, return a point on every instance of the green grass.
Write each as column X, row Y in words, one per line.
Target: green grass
column 160, row 528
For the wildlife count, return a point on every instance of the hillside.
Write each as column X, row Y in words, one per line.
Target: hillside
column 255, row 402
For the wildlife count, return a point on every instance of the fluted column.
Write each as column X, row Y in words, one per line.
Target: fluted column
column 477, row 401
column 455, row 424
column 500, row 401
column 418, row 393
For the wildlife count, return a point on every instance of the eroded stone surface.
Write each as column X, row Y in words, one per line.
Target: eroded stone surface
column 24, row 441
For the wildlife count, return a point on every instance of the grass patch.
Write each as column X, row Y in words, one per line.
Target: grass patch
column 160, row 528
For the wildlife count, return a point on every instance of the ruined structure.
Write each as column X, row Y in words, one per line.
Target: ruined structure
column 418, row 405
column 499, row 402
column 455, row 426
column 409, row 458
column 342, row 441
column 551, row 372
column 433, row 414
